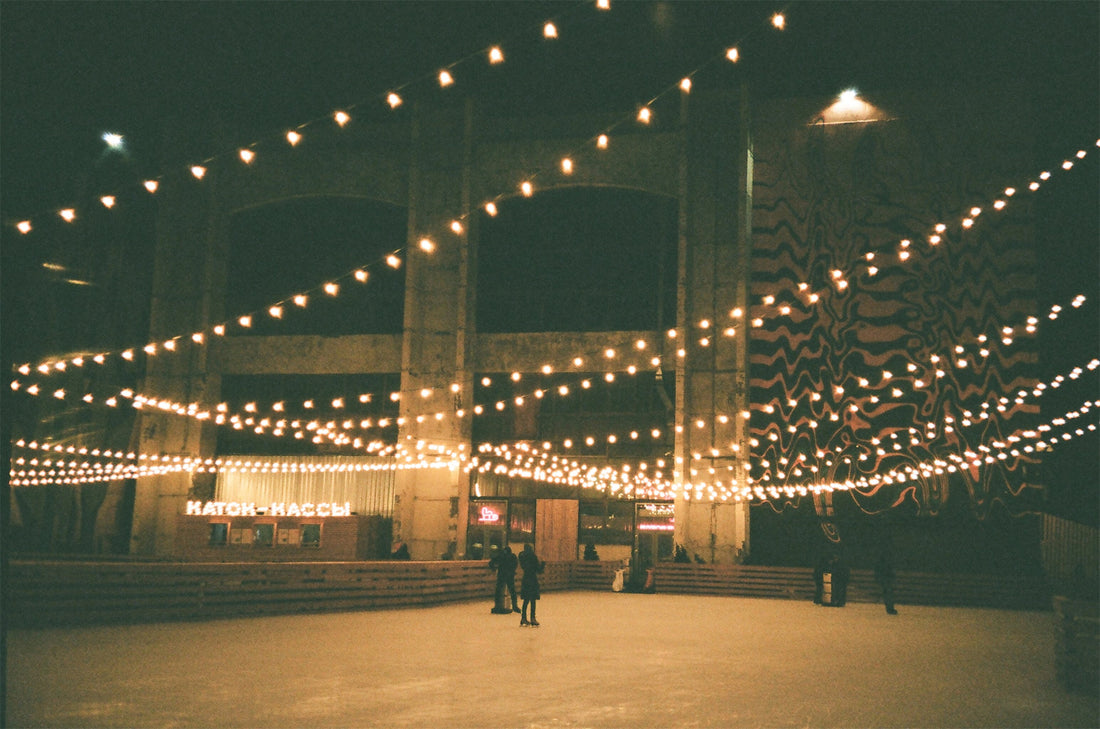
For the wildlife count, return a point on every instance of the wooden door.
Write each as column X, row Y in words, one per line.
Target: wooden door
column 556, row 523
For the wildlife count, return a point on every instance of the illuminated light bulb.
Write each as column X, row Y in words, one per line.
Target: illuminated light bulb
column 758, row 322
column 23, row 226
column 681, row 353
column 245, row 321
column 485, row 382
column 108, row 201
column 491, row 209
column 456, row 227
column 527, row 189
column 975, row 212
column 445, row 78
column 128, row 355
column 940, row 227
column 1033, row 186
column 393, row 100
column 577, row 361
column 609, row 353
column 395, row 396
column 603, row 4
column 609, row 377
column 24, row 369
column 151, row 185
column 276, row 312
column 198, row 171
column 425, row 392
column 68, row 215
column 1067, row 165
column 934, row 239
column 567, row 166
column 967, row 222
column 1081, row 154
column 170, row 345
column 332, row 289
column 99, row 359
column 730, row 332
column 589, row 441
column 563, row 389
column 59, row 394
column 704, row 341
column 496, row 55
column 999, row 204
column 547, row 369
column 393, row 261
column 427, row 245
column 733, row 55
column 685, row 84
column 549, row 30
column 601, row 141
column 644, row 115
column 293, row 137
column 341, row 118
column 903, row 255
column 779, row 21
column 33, row 389
column 872, row 270
column 246, row 155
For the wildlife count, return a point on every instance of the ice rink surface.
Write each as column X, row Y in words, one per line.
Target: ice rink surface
column 598, row 660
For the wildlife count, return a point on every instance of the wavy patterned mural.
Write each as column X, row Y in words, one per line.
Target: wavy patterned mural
column 906, row 336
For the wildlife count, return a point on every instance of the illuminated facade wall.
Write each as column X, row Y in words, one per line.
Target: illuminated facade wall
column 880, row 345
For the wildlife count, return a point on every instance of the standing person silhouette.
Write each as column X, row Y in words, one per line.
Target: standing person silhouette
column 529, row 585
column 504, row 562
column 884, row 575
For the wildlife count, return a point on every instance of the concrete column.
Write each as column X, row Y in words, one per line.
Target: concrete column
column 187, row 297
column 714, row 270
column 429, row 513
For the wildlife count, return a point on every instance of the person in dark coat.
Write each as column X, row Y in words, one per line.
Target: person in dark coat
column 841, row 574
column 504, row 562
column 820, row 569
column 529, row 585
column 884, row 576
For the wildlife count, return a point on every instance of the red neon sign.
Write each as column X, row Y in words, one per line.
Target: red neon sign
column 487, row 515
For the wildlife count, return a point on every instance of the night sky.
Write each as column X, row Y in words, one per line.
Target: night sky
column 71, row 71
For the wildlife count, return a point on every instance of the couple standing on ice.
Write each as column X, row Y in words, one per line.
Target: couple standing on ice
column 505, row 563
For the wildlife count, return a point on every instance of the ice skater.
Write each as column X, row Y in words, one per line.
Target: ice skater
column 884, row 576
column 529, row 585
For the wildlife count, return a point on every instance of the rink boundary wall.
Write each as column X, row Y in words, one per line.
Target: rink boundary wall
column 58, row 592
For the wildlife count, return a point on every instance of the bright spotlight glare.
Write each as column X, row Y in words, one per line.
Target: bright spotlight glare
column 848, row 95
column 113, row 140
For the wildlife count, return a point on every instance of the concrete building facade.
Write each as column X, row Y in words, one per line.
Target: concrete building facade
column 440, row 165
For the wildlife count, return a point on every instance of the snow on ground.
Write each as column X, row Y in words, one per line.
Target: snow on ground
column 598, row 660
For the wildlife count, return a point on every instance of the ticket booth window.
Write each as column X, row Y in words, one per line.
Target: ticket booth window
column 219, row 533
column 263, row 535
column 311, row 535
